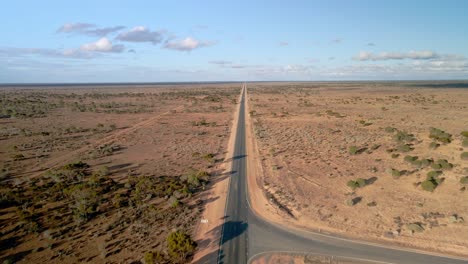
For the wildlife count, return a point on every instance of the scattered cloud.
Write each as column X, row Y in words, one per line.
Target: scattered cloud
column 142, row 34
column 102, row 45
column 221, row 62
column 413, row 55
column 186, row 44
column 336, row 40
column 131, row 51
column 88, row 29
column 372, row 44
column 60, row 53
column 86, row 51
column 74, row 27
column 103, row 31
column 284, row 43
column 331, row 58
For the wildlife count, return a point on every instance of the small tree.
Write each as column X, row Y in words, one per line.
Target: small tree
column 180, row 245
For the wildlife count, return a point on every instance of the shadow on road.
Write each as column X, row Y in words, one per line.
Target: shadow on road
column 235, row 158
column 232, row 229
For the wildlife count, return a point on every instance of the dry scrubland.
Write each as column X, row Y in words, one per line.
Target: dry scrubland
column 378, row 161
column 108, row 174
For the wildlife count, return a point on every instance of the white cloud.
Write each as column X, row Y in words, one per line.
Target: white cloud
column 187, row 44
column 221, row 62
column 413, row 55
column 88, row 29
column 74, row 27
column 141, row 34
column 102, row 45
column 283, row 43
column 59, row 53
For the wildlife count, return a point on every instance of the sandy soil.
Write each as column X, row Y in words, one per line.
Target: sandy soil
column 304, row 133
column 136, row 140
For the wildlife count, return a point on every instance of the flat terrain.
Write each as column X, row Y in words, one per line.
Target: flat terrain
column 105, row 174
column 364, row 159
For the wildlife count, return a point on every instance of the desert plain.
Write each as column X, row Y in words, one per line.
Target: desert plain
column 383, row 162
column 112, row 174
column 109, row 174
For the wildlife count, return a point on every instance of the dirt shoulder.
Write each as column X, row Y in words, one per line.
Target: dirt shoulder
column 208, row 232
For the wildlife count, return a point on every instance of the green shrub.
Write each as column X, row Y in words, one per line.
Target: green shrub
column 154, row 257
column 209, row 157
column 358, row 183
column 410, row 159
column 390, row 129
column 464, row 156
column 434, row 145
column 402, row 136
column 464, row 133
column 432, row 181
column 395, row 155
column 353, row 150
column 428, row 185
column 180, row 245
column 442, row 164
column 426, row 162
column 464, row 180
column 465, row 142
column 84, row 201
column 404, row 148
column 440, row 135
column 395, row 173
column 433, row 174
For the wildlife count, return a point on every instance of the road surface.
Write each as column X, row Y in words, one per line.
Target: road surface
column 246, row 235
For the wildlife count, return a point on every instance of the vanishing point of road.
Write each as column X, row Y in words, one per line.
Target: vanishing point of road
column 246, row 235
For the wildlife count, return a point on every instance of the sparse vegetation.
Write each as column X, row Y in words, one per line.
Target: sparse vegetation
column 440, row 135
column 180, row 246
column 432, row 181
column 358, row 183
column 464, row 156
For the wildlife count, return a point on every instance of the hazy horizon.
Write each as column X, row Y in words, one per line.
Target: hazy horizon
column 145, row 41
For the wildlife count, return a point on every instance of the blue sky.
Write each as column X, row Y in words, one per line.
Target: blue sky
column 151, row 41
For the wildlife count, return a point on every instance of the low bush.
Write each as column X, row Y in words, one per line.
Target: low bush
column 180, row 246
column 395, row 173
column 442, row 164
column 403, row 136
column 404, row 148
column 464, row 156
column 410, row 159
column 358, row 183
column 434, row 145
column 464, row 133
column 465, row 142
column 440, row 135
column 432, row 181
column 84, row 201
column 353, row 150
column 464, row 180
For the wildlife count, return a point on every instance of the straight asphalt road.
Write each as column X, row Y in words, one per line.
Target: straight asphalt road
column 246, row 235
